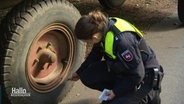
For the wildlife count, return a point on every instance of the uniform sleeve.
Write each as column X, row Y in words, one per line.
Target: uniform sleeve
column 129, row 64
column 95, row 55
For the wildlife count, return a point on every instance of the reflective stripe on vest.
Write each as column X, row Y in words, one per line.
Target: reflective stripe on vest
column 109, row 41
column 123, row 26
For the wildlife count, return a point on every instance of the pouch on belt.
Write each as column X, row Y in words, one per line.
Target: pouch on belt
column 157, row 78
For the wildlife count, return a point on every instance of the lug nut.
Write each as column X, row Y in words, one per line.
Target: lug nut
column 39, row 48
column 35, row 61
column 48, row 44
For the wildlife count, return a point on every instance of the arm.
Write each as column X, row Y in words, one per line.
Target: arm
column 95, row 55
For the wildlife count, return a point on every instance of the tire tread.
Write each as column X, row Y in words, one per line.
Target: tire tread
column 12, row 23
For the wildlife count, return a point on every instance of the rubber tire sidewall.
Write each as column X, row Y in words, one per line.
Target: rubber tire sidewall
column 110, row 4
column 181, row 10
column 51, row 14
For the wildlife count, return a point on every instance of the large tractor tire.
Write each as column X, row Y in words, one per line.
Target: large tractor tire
column 111, row 4
column 181, row 10
column 38, row 51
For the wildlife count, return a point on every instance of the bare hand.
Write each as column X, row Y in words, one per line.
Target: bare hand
column 110, row 95
column 74, row 77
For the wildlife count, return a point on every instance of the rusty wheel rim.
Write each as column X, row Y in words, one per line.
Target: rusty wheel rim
column 50, row 58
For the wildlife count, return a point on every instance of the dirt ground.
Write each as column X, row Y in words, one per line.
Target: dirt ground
column 141, row 13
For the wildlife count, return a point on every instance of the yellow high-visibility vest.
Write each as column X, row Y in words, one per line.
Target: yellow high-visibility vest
column 123, row 26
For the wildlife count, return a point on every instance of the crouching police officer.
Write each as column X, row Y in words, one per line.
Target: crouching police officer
column 120, row 61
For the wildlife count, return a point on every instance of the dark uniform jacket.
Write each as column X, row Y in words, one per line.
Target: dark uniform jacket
column 128, row 65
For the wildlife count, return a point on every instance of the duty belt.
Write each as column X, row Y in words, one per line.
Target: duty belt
column 156, row 79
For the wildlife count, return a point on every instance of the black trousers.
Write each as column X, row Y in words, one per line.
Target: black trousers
column 97, row 77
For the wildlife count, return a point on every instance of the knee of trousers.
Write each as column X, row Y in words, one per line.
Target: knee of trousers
column 92, row 85
column 87, row 83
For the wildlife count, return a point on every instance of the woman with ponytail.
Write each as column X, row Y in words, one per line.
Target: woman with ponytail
column 119, row 61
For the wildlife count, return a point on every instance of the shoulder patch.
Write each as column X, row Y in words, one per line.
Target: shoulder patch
column 127, row 55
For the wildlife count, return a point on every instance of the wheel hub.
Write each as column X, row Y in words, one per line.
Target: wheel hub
column 50, row 58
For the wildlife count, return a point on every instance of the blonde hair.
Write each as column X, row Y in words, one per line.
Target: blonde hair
column 90, row 24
